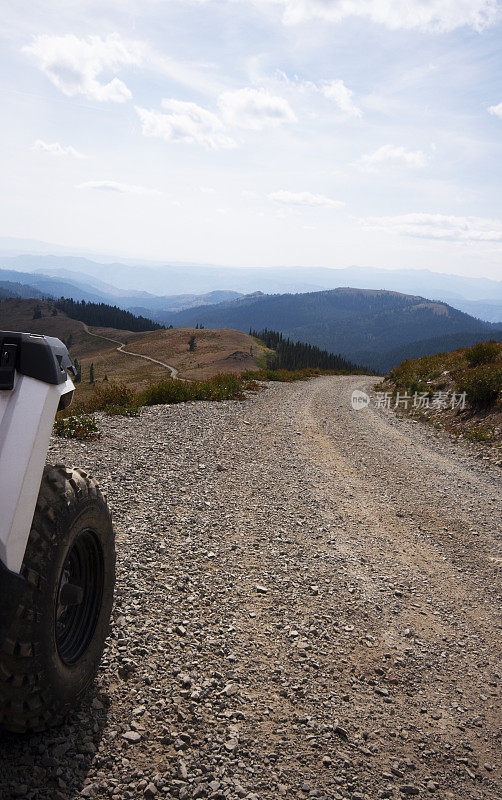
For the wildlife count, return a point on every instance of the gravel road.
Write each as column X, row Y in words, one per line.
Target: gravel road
column 308, row 605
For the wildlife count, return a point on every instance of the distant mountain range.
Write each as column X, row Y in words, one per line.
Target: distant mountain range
column 372, row 327
column 65, row 283
column 381, row 319
column 480, row 297
column 14, row 289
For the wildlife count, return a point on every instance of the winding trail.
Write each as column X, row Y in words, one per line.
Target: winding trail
column 174, row 372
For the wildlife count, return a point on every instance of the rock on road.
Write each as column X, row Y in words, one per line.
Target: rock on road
column 308, row 605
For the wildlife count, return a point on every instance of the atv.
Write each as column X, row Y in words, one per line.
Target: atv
column 57, row 550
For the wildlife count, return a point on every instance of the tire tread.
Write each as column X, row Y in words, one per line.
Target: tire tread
column 25, row 704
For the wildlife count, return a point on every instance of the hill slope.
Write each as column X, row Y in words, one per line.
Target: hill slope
column 215, row 351
column 477, row 371
column 363, row 325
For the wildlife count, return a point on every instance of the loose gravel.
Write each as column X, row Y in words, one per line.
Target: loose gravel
column 307, row 606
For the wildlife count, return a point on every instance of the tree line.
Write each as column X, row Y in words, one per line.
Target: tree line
column 298, row 355
column 105, row 316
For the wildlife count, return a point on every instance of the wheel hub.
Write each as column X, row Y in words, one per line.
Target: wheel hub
column 79, row 597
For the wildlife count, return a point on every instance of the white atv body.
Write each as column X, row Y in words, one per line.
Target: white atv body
column 57, row 555
column 28, row 404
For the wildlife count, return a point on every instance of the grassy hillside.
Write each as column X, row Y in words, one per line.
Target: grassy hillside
column 214, row 351
column 365, row 326
column 475, row 371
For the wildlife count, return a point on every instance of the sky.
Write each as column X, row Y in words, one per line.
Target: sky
column 256, row 132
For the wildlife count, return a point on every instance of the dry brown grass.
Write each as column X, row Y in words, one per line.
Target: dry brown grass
column 216, row 352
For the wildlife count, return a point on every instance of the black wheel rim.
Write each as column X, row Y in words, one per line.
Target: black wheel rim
column 79, row 597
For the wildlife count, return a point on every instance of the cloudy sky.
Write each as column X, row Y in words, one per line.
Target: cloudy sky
column 257, row 132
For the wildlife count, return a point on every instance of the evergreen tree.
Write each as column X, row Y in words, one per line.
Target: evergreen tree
column 37, row 312
column 298, row 355
column 103, row 315
column 91, row 373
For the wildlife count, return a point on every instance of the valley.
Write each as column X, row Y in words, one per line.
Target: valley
column 374, row 327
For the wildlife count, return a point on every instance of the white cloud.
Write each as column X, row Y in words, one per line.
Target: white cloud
column 439, row 226
column 303, row 199
column 428, row 15
column 341, row 96
column 56, row 149
column 334, row 90
column 185, row 122
column 390, row 155
column 75, row 65
column 254, row 109
column 496, row 110
column 115, row 186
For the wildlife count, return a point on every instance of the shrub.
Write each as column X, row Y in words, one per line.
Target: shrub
column 420, row 387
column 77, row 426
column 284, row 375
column 479, row 434
column 220, row 387
column 114, row 399
column 482, row 384
column 483, row 353
column 168, row 391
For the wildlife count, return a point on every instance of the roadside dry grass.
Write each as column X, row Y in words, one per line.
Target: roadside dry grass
column 477, row 371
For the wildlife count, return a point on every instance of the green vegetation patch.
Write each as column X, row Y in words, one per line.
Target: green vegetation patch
column 482, row 385
column 220, row 387
column 77, row 426
column 285, row 375
column 482, row 353
column 295, row 356
column 115, row 399
column 475, row 370
column 480, row 434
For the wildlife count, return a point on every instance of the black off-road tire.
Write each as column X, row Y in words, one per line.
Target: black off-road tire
column 55, row 642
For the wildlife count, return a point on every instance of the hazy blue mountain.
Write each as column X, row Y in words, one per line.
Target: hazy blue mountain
column 158, row 306
column 141, row 284
column 53, row 287
column 367, row 326
column 82, row 279
column 14, row 289
column 82, row 287
column 175, row 279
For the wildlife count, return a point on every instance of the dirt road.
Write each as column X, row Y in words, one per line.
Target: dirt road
column 120, row 349
column 308, row 605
